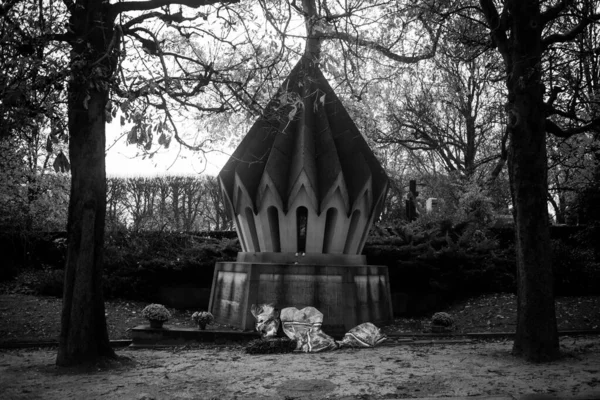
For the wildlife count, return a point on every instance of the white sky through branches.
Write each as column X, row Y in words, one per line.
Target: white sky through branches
column 124, row 159
column 217, row 135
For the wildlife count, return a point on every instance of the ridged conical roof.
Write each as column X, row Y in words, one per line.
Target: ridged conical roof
column 305, row 140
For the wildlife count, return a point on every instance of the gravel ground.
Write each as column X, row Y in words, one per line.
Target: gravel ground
column 386, row 372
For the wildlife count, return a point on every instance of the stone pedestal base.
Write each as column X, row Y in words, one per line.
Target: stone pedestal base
column 347, row 295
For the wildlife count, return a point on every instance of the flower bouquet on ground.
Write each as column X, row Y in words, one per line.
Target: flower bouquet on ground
column 441, row 322
column 157, row 314
column 203, row 318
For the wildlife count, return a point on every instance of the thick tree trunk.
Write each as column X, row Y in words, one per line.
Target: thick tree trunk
column 175, row 205
column 471, row 149
column 84, row 334
column 561, row 211
column 536, row 337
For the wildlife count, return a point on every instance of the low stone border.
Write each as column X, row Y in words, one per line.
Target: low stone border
column 592, row 395
column 143, row 337
column 48, row 344
column 574, row 332
column 484, row 335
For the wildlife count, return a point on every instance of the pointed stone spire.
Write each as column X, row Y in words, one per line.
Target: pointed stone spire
column 304, row 179
column 303, row 189
column 304, row 173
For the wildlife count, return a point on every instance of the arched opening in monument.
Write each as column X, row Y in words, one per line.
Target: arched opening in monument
column 352, row 231
column 252, row 228
column 330, row 222
column 273, row 216
column 301, row 228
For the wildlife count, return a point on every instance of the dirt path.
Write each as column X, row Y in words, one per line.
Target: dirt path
column 383, row 373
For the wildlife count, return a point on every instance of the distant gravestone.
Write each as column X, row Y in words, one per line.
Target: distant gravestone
column 411, row 201
column 433, row 204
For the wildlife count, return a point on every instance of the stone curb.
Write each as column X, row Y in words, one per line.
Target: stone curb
column 578, row 332
column 397, row 340
column 464, row 398
column 47, row 344
column 592, row 395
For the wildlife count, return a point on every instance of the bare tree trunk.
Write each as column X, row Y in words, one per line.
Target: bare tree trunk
column 84, row 335
column 175, row 197
column 536, row 336
column 471, row 149
column 560, row 206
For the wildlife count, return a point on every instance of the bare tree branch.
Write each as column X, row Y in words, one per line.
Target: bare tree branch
column 119, row 8
column 140, row 18
column 572, row 34
column 498, row 27
column 553, row 12
column 382, row 49
column 6, row 6
column 553, row 128
column 503, row 157
column 70, row 4
column 554, row 95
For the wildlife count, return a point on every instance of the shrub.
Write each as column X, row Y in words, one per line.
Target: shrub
column 10, row 249
column 435, row 255
column 156, row 312
column 8, row 268
column 576, row 271
column 203, row 318
column 137, row 265
column 49, row 283
column 475, row 205
column 442, row 319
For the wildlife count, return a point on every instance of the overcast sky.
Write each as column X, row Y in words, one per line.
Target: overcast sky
column 125, row 160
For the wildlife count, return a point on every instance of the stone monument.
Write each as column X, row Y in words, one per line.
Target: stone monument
column 303, row 189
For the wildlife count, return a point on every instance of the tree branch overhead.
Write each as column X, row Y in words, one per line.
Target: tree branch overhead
column 118, row 8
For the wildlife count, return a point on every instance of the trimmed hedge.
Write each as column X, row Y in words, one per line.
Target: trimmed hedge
column 449, row 261
column 33, row 250
column 137, row 265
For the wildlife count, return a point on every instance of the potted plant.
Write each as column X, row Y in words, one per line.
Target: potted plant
column 202, row 318
column 157, row 314
column 441, row 322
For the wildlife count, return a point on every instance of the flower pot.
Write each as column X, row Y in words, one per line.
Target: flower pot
column 156, row 324
column 202, row 325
